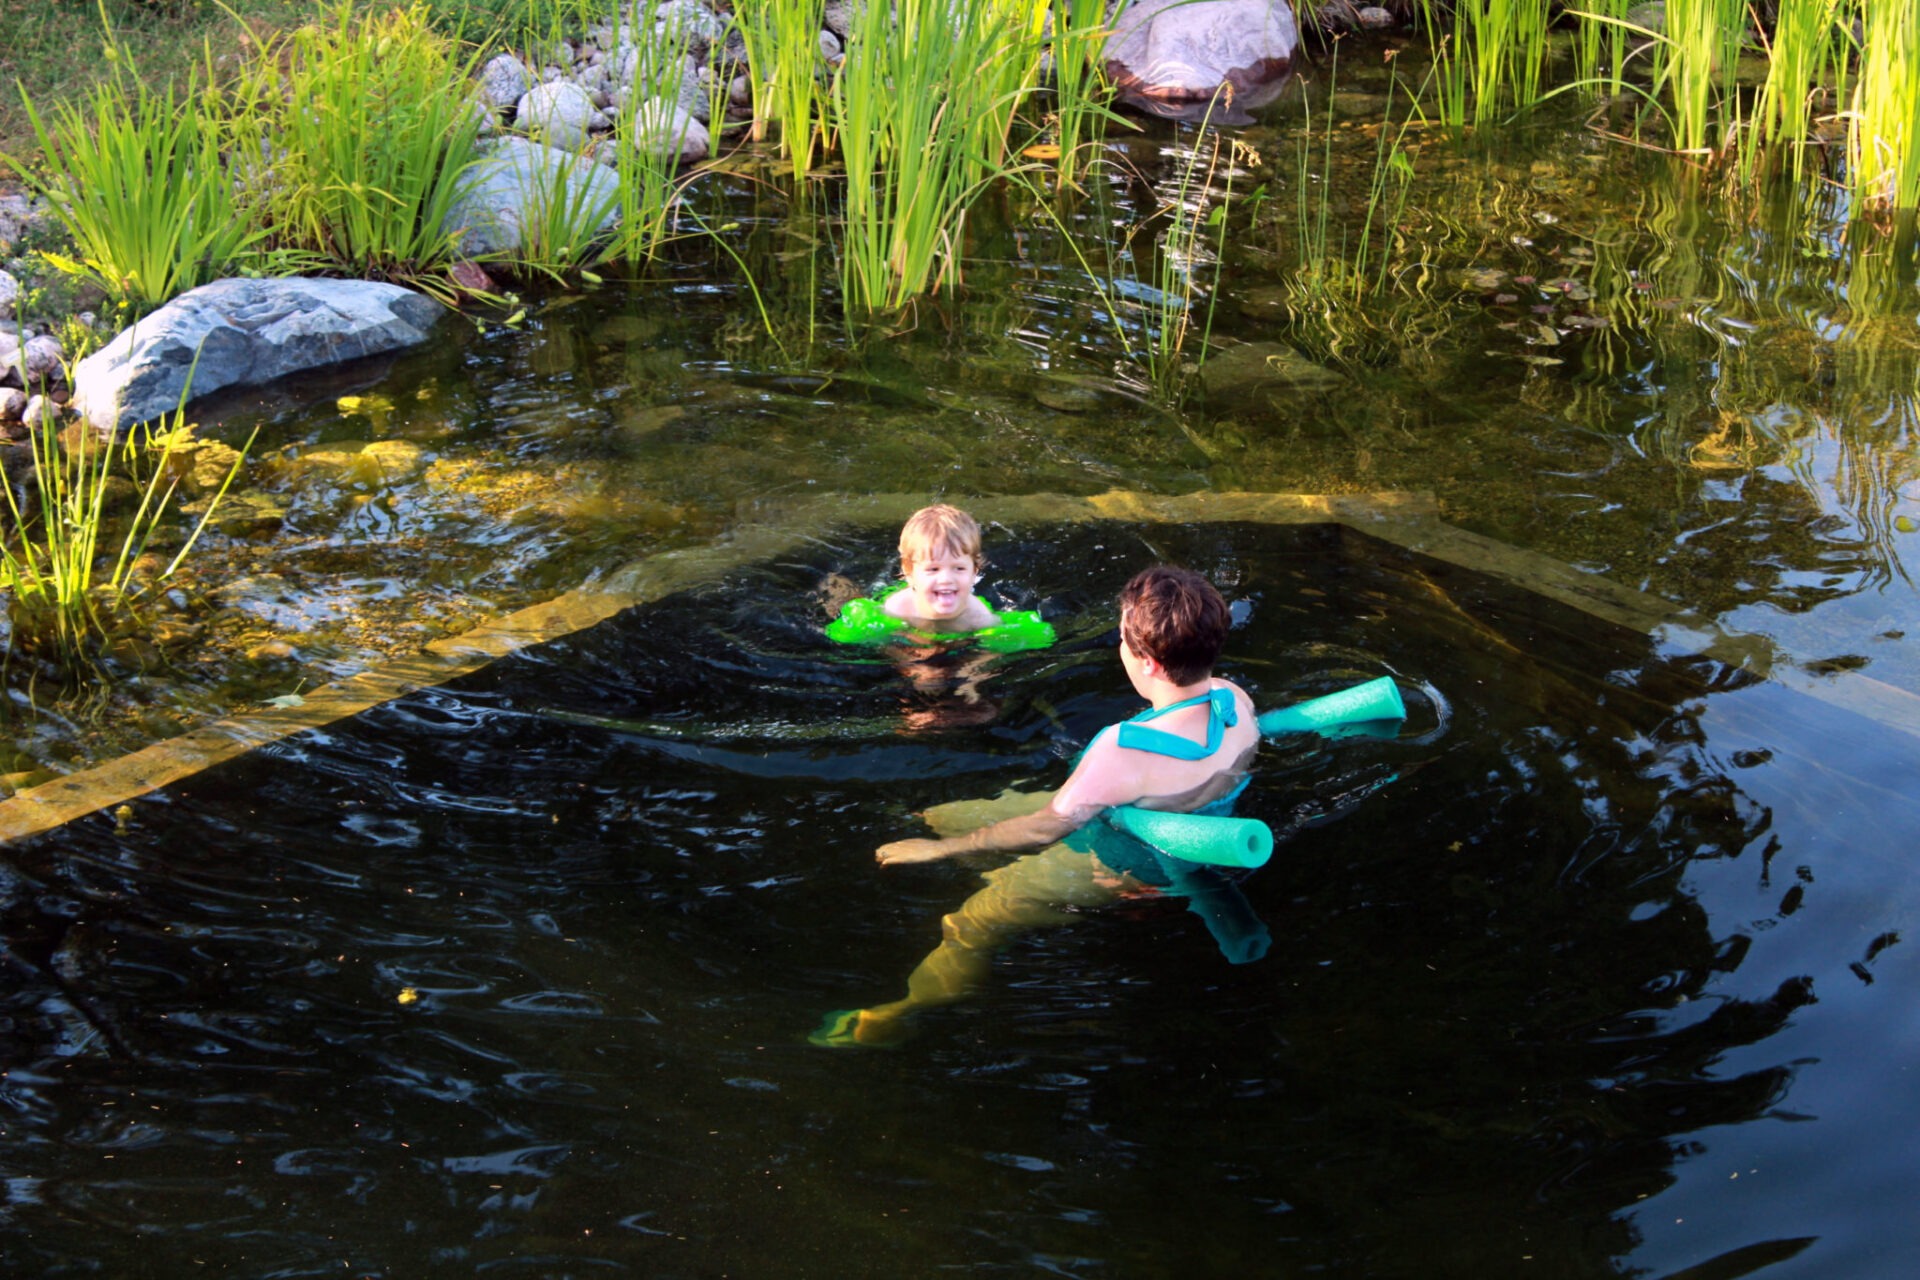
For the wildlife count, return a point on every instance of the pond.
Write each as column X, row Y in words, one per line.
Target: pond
column 1593, row 970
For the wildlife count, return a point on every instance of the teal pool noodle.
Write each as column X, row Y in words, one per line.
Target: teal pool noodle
column 1197, row 837
column 1377, row 699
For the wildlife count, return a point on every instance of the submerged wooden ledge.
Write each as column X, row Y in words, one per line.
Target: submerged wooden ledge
column 770, row 529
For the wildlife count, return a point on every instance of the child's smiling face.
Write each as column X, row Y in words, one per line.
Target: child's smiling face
column 942, row 583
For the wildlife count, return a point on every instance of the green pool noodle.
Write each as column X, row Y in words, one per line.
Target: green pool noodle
column 1197, row 837
column 1377, row 699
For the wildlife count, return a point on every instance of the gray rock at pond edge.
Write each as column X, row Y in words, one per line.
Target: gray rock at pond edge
column 9, row 294
column 13, row 404
column 668, row 131
column 559, row 113
column 504, row 81
column 510, row 181
column 1172, row 57
column 685, row 24
column 41, row 359
column 244, row 332
column 40, row 411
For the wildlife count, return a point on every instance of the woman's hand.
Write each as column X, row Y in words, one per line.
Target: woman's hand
column 899, row 852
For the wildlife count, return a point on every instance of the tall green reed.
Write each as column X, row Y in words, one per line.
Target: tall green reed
column 365, row 136
column 1806, row 59
column 70, row 583
column 783, row 59
column 1883, row 115
column 1694, row 61
column 1076, row 54
column 1600, row 45
column 923, row 111
column 137, row 177
column 1491, row 62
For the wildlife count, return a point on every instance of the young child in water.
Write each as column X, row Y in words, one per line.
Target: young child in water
column 940, row 561
column 1189, row 752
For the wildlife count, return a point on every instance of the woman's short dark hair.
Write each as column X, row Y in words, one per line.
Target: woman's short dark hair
column 1175, row 617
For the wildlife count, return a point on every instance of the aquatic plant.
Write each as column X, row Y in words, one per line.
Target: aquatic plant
column 923, row 109
column 1807, row 59
column 1489, row 57
column 1080, row 89
column 783, row 60
column 1883, row 113
column 1600, row 46
column 566, row 220
column 137, row 178
column 362, row 144
column 68, row 584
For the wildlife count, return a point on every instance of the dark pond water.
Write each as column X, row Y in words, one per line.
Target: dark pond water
column 1594, row 970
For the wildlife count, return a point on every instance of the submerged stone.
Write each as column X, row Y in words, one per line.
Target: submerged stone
column 1253, row 366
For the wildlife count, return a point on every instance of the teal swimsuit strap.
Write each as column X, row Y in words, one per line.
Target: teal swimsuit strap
column 1221, row 716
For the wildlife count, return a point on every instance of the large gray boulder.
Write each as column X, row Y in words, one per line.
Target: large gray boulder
column 1176, row 57
column 244, row 332
column 513, row 181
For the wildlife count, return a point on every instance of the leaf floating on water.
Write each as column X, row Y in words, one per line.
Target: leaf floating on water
column 287, row 700
column 1905, row 524
column 1544, row 362
column 408, row 995
column 1042, row 151
column 1548, row 335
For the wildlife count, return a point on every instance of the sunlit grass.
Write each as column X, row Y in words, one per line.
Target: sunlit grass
column 1883, row 115
column 364, row 138
column 138, row 179
column 923, row 110
column 72, row 570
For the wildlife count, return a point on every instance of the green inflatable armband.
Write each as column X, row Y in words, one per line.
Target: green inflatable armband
column 1247, row 842
column 866, row 621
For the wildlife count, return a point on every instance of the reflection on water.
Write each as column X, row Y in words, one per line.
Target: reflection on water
column 516, row 974
column 1580, row 348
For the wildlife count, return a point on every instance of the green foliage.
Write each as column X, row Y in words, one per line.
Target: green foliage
column 1490, row 60
column 923, row 110
column 70, row 582
column 1883, row 118
column 363, row 138
column 785, row 73
column 138, row 180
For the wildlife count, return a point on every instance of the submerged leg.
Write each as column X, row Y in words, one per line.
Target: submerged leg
column 1028, row 893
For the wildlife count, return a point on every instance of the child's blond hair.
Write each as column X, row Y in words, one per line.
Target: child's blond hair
column 931, row 530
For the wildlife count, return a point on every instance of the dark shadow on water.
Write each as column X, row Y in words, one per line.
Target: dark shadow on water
column 516, row 974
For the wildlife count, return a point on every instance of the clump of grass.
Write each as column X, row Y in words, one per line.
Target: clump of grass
column 923, row 110
column 1883, row 116
column 138, row 179
column 363, row 137
column 1490, row 61
column 783, row 61
column 69, row 567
